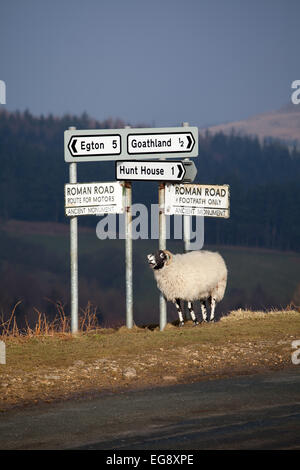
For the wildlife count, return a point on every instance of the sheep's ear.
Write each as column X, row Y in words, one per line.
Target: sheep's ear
column 169, row 257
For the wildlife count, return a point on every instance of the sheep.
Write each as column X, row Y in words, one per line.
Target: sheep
column 196, row 275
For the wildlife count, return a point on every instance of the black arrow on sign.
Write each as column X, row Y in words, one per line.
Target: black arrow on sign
column 73, row 146
column 190, row 141
column 180, row 168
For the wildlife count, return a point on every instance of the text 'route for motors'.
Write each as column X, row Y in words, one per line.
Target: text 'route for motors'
column 130, row 144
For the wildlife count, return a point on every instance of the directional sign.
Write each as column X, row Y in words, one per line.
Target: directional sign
column 94, row 199
column 97, row 145
column 155, row 170
column 130, row 144
column 160, row 142
column 197, row 199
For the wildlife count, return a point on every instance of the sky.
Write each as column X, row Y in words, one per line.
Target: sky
column 155, row 62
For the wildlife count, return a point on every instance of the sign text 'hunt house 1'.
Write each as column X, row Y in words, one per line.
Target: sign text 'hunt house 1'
column 155, row 170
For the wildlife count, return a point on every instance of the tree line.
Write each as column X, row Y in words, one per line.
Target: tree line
column 263, row 177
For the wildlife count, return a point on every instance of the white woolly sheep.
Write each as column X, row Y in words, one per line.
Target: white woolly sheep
column 196, row 275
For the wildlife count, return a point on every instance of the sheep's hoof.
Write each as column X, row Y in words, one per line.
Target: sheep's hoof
column 213, row 320
column 181, row 324
column 196, row 322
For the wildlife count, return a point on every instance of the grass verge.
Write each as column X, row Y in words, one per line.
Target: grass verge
column 48, row 367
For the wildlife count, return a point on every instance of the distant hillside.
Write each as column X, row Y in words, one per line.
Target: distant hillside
column 263, row 177
column 283, row 125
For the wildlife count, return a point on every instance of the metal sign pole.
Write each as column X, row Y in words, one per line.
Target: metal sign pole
column 128, row 255
column 128, row 252
column 186, row 232
column 186, row 229
column 186, row 218
column 162, row 246
column 74, row 255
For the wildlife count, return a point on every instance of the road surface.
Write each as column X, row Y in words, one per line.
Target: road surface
column 249, row 412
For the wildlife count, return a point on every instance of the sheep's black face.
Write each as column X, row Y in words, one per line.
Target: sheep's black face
column 157, row 260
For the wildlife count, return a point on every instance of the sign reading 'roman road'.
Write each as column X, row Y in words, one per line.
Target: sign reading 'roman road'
column 197, row 199
column 155, row 170
column 94, row 199
column 116, row 144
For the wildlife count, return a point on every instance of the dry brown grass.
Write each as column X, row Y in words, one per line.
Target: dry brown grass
column 241, row 314
column 61, row 324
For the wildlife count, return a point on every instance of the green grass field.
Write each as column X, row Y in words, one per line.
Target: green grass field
column 34, row 265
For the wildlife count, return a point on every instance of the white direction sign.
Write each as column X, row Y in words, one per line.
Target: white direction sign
column 197, row 199
column 96, row 145
column 130, row 144
column 160, row 142
column 94, row 198
column 155, row 170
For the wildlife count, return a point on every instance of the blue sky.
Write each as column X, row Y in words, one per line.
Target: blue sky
column 158, row 62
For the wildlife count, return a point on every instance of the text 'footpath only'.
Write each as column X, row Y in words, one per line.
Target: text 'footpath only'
column 93, row 198
column 155, row 170
column 197, row 199
column 117, row 144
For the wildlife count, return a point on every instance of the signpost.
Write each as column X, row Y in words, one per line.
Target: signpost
column 129, row 144
column 155, row 170
column 139, row 155
column 94, row 199
column 197, row 199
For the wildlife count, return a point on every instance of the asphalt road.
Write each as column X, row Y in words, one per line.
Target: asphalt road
column 249, row 412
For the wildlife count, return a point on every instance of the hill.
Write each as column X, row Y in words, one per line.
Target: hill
column 264, row 179
column 282, row 125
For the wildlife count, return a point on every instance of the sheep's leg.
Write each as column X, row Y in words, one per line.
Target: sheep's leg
column 179, row 311
column 192, row 313
column 203, row 310
column 212, row 308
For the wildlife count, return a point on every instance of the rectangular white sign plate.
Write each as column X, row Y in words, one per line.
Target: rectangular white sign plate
column 119, row 144
column 94, row 198
column 197, row 199
column 152, row 170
